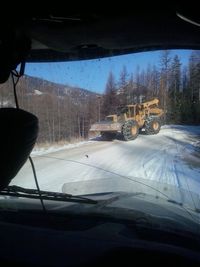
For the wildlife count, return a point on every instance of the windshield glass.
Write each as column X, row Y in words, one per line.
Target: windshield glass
column 153, row 149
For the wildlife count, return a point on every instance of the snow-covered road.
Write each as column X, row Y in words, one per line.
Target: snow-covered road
column 171, row 158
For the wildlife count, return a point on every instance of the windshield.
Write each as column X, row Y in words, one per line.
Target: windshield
column 154, row 150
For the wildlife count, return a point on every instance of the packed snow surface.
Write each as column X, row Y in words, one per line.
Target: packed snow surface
column 170, row 158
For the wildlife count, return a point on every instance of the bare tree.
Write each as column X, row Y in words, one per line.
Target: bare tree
column 110, row 101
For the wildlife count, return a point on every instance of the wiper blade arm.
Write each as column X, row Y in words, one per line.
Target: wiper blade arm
column 18, row 191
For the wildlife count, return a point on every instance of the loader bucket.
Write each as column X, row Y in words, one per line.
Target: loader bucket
column 106, row 127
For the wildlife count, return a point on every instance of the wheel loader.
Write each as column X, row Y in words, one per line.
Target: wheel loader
column 129, row 120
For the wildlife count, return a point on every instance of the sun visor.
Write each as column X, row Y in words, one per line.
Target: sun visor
column 18, row 135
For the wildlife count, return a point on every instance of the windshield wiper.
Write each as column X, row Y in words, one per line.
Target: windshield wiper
column 17, row 191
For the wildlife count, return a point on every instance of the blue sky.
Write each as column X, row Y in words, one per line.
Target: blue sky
column 93, row 74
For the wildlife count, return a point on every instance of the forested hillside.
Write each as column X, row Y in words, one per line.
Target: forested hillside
column 64, row 112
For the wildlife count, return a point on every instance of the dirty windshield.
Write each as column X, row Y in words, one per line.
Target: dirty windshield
column 118, row 124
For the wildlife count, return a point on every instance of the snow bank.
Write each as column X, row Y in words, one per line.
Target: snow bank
column 38, row 151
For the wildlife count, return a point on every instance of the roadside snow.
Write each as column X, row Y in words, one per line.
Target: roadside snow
column 38, row 151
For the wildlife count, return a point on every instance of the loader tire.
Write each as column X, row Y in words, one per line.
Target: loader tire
column 152, row 126
column 130, row 130
column 108, row 136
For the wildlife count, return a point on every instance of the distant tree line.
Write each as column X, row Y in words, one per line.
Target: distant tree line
column 67, row 116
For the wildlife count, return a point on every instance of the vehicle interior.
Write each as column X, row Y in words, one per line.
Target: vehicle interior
column 55, row 229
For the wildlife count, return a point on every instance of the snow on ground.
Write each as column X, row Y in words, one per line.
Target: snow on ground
column 37, row 92
column 167, row 161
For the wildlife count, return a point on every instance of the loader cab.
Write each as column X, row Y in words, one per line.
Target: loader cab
column 127, row 112
column 131, row 111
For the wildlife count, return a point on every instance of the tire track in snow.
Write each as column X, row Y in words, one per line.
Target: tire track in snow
column 157, row 166
column 165, row 165
column 184, row 176
column 161, row 166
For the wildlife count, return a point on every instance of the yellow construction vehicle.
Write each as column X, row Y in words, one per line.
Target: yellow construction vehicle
column 130, row 119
